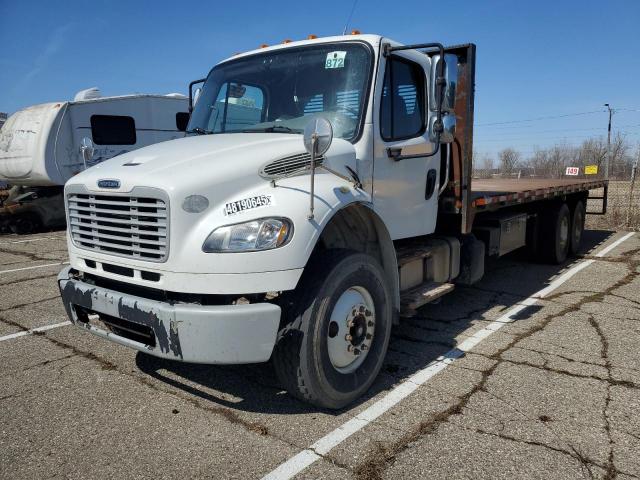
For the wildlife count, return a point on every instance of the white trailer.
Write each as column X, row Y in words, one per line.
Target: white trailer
column 323, row 191
column 43, row 146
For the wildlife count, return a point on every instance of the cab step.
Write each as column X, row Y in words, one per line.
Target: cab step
column 410, row 253
column 418, row 296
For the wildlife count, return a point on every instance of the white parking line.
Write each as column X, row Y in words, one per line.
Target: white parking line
column 34, row 330
column 34, row 267
column 608, row 248
column 307, row 457
column 39, row 239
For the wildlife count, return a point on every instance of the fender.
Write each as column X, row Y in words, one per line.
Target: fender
column 353, row 224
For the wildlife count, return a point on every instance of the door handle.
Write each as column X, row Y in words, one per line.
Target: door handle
column 402, row 153
column 394, row 152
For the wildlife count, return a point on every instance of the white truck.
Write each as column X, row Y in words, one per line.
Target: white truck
column 43, row 146
column 322, row 192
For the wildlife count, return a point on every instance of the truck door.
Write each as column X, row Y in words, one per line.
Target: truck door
column 405, row 191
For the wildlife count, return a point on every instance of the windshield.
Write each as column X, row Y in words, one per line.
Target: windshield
column 281, row 91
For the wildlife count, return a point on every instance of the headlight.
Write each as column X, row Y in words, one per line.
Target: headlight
column 261, row 234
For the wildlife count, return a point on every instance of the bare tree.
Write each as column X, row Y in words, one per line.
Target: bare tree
column 509, row 159
column 620, row 162
column 593, row 152
column 487, row 163
column 482, row 165
column 538, row 162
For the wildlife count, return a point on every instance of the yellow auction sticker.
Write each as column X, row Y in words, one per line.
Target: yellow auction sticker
column 591, row 169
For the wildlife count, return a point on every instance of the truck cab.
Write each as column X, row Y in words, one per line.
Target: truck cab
column 323, row 190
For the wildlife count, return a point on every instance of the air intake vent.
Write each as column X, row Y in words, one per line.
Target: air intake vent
column 294, row 164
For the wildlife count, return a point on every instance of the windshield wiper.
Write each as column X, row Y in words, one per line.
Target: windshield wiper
column 199, row 131
column 272, row 129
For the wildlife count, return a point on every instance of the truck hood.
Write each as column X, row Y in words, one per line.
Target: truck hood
column 200, row 162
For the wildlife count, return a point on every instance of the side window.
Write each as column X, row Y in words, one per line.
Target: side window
column 113, row 130
column 237, row 107
column 402, row 109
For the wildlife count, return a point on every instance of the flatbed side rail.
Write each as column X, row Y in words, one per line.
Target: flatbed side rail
column 489, row 201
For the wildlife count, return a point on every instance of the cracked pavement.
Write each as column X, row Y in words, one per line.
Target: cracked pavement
column 555, row 394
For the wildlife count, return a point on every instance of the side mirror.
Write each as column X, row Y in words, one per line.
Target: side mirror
column 86, row 149
column 448, row 96
column 450, row 79
column 193, row 97
column 318, row 135
column 196, row 95
column 448, row 128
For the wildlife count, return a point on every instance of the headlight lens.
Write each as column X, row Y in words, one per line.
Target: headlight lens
column 261, row 234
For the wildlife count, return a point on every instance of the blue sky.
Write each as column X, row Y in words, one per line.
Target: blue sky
column 535, row 59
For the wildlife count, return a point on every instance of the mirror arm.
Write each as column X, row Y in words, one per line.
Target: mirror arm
column 195, row 82
column 353, row 179
column 314, row 142
column 440, row 84
column 356, row 178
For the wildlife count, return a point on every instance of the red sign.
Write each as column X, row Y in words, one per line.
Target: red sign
column 572, row 171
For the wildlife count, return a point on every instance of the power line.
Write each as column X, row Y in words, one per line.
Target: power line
column 521, row 130
column 534, row 138
column 554, row 130
column 549, row 117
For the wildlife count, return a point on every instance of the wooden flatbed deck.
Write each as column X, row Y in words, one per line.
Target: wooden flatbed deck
column 492, row 194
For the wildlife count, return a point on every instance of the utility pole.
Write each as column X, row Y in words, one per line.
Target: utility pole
column 634, row 171
column 606, row 165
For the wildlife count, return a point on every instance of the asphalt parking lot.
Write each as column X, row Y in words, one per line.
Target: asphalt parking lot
column 499, row 380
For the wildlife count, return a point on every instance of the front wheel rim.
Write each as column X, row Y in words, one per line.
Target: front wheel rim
column 351, row 329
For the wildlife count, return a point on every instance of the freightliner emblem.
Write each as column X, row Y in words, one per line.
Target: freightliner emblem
column 109, row 183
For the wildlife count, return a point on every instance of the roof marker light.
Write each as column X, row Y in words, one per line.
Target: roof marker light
column 312, row 37
column 264, row 45
column 355, row 32
column 286, row 40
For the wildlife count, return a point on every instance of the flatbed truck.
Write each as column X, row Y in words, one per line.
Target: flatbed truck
column 323, row 191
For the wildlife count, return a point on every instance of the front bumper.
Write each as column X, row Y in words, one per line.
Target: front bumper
column 220, row 334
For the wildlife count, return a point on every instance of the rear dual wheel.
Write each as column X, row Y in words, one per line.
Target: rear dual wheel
column 561, row 231
column 335, row 329
column 577, row 227
column 555, row 233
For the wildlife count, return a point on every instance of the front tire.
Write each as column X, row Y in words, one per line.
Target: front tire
column 336, row 328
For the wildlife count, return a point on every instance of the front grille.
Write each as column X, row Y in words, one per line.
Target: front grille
column 127, row 226
column 288, row 165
